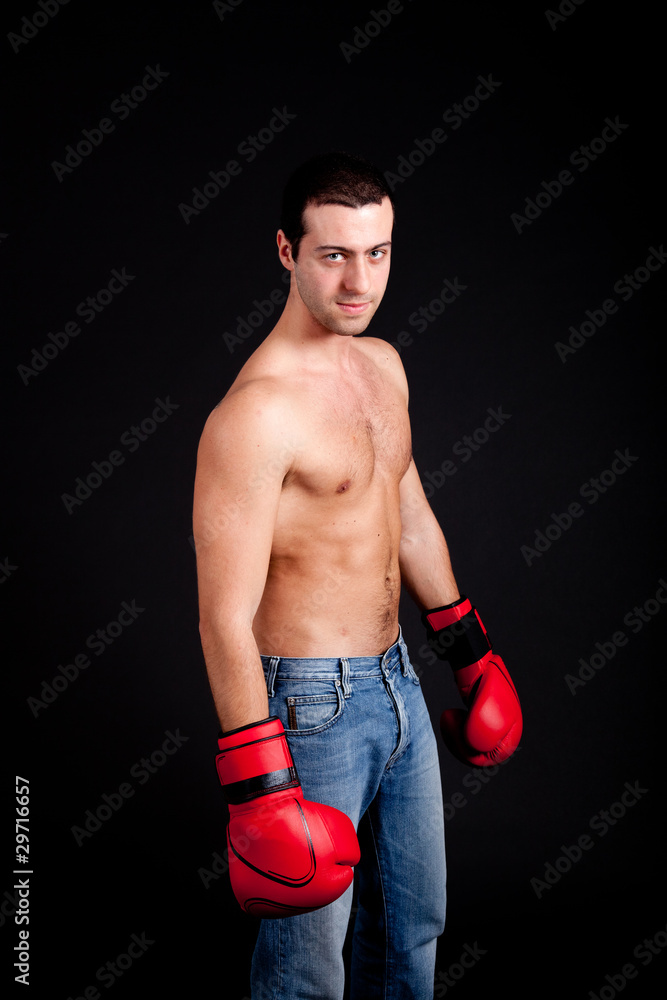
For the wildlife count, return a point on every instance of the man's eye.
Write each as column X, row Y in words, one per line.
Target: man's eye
column 330, row 256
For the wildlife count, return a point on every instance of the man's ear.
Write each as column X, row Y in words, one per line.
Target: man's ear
column 285, row 251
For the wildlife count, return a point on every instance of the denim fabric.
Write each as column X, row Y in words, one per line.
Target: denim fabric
column 362, row 741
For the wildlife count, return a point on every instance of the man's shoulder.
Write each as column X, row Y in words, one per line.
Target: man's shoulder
column 385, row 357
column 250, row 437
column 258, row 409
column 379, row 349
column 247, row 446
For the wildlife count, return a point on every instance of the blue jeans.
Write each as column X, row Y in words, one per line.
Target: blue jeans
column 362, row 741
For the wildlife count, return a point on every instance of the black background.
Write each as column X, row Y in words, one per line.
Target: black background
column 68, row 568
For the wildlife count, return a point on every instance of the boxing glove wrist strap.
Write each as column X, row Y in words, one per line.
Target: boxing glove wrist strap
column 456, row 633
column 244, row 791
column 255, row 760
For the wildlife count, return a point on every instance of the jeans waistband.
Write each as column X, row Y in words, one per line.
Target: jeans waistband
column 345, row 667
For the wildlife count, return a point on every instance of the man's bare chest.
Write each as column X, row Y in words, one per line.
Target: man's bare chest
column 352, row 438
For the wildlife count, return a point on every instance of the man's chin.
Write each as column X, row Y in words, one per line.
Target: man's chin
column 348, row 327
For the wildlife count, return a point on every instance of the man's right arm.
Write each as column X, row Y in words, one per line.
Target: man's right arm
column 244, row 455
column 243, row 458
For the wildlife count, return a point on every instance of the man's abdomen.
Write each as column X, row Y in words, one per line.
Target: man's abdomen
column 331, row 602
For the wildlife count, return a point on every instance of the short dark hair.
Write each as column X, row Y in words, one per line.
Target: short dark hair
column 335, row 178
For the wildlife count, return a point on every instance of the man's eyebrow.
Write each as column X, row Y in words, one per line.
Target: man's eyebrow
column 378, row 246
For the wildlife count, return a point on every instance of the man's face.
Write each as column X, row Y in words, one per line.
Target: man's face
column 343, row 264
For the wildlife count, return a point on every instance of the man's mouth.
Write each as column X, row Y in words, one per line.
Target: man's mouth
column 353, row 307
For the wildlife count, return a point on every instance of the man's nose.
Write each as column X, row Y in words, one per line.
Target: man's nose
column 356, row 276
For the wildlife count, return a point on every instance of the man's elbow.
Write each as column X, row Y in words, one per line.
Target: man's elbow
column 220, row 625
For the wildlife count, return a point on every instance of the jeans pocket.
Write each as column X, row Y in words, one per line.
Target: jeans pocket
column 310, row 713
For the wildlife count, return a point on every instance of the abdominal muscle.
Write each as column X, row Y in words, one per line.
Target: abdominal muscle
column 333, row 584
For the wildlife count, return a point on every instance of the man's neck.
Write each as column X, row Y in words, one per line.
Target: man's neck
column 315, row 345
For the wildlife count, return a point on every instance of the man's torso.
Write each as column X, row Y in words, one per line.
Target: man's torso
column 333, row 583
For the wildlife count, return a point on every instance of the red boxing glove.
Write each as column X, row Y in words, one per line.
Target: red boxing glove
column 286, row 855
column 489, row 730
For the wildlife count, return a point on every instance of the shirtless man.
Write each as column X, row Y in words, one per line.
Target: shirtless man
column 309, row 514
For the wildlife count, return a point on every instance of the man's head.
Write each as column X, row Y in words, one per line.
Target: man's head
column 335, row 237
column 329, row 179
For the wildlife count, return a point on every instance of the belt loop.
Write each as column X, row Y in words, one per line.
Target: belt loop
column 403, row 652
column 345, row 676
column 271, row 675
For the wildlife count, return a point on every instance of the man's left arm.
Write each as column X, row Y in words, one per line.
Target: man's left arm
column 426, row 568
column 488, row 730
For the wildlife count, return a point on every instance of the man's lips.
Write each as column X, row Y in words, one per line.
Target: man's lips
column 353, row 307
